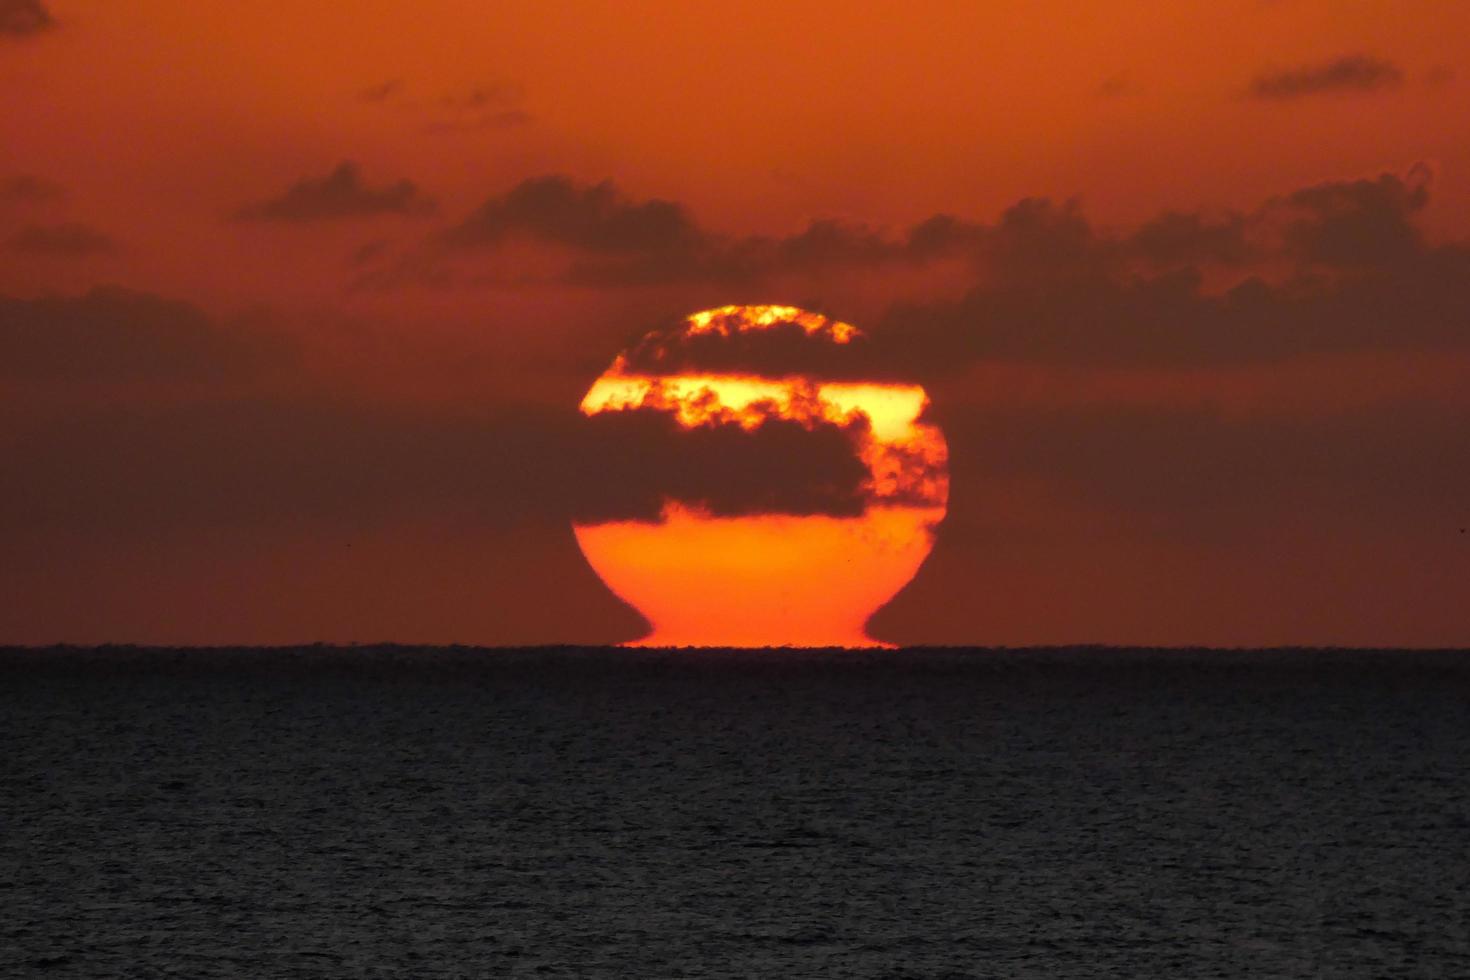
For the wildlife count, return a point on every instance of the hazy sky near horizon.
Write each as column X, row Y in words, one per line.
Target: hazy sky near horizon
column 297, row 302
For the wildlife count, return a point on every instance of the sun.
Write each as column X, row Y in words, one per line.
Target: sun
column 780, row 493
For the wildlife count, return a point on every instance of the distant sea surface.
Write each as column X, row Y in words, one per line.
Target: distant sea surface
column 397, row 812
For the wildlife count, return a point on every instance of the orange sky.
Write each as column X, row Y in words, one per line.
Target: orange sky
column 160, row 116
column 347, row 431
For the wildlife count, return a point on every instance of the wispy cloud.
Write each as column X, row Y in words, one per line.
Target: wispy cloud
column 1353, row 74
column 340, row 194
column 24, row 18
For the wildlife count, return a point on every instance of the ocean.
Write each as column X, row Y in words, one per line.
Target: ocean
column 594, row 813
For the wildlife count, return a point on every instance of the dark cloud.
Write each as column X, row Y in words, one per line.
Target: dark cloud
column 234, row 443
column 942, row 235
column 381, row 92
column 636, row 459
column 1261, row 526
column 709, row 257
column 1339, row 266
column 115, row 335
column 1360, row 223
column 289, row 460
column 600, row 218
column 1051, row 287
column 482, row 97
column 1350, row 74
column 242, row 445
column 1171, row 319
column 1181, row 238
column 24, row 18
column 484, row 107
column 615, row 240
column 612, row 240
column 340, row 194
column 595, row 218
column 269, row 461
column 1038, row 240
column 69, row 238
column 1190, row 472
column 171, row 476
column 28, row 189
column 1344, row 223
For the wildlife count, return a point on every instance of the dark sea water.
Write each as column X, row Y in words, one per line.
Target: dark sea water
column 596, row 813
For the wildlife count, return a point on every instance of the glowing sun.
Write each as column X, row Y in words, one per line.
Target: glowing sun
column 775, row 493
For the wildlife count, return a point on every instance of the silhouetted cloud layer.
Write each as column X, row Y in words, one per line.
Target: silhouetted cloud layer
column 340, row 194
column 129, row 415
column 232, row 450
column 269, row 461
column 115, row 335
column 1206, row 475
column 24, row 18
column 1339, row 266
column 608, row 239
column 1351, row 74
column 1333, row 267
column 238, row 451
column 614, row 240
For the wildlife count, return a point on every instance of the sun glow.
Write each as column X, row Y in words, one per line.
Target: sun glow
column 727, row 320
column 774, row 578
column 891, row 410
